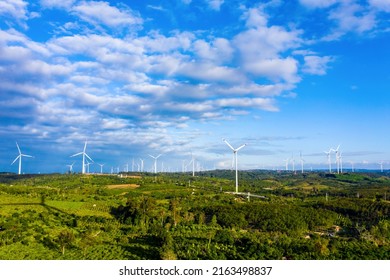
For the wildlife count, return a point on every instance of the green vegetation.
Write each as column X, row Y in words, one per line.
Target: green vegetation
column 176, row 216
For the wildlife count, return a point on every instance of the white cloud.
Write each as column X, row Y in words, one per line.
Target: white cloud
column 256, row 17
column 266, row 42
column 219, row 50
column 253, row 89
column 352, row 17
column 16, row 9
column 215, row 4
column 318, row 3
column 210, row 72
column 102, row 13
column 13, row 37
column 57, row 3
column 260, row 103
column 275, row 69
column 155, row 42
column 382, row 5
column 316, row 65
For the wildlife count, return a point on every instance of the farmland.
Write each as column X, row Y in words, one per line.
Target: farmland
column 177, row 216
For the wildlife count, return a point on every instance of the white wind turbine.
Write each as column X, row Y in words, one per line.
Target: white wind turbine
column 20, row 159
column 142, row 164
column 341, row 162
column 338, row 158
column 352, row 166
column 302, row 161
column 287, row 161
column 235, row 157
column 293, row 163
column 193, row 165
column 101, row 167
column 88, row 164
column 155, row 162
column 70, row 167
column 84, row 154
column 328, row 154
column 381, row 164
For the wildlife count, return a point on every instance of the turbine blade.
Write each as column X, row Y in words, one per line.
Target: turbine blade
column 77, row 154
column 88, row 157
column 15, row 159
column 242, row 146
column 18, row 148
column 227, row 143
column 23, row 155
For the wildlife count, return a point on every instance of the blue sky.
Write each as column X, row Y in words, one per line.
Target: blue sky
column 175, row 77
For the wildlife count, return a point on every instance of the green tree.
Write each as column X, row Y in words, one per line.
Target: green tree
column 65, row 238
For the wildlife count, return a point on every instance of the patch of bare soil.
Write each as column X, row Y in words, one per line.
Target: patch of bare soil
column 123, row 186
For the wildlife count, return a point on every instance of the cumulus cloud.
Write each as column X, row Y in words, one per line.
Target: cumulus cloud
column 103, row 13
column 316, row 65
column 219, row 50
column 275, row 69
column 16, row 9
column 381, row 5
column 353, row 17
column 215, row 4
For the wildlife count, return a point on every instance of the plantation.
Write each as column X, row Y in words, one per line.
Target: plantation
column 177, row 216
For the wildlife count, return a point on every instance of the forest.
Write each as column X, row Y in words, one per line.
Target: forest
column 168, row 216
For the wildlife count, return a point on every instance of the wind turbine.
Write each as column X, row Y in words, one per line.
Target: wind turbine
column 88, row 164
column 352, row 166
column 193, row 165
column 381, row 164
column 20, row 159
column 235, row 157
column 293, row 163
column 337, row 158
column 286, row 160
column 302, row 161
column 84, row 154
column 142, row 164
column 101, row 168
column 70, row 167
column 329, row 160
column 155, row 162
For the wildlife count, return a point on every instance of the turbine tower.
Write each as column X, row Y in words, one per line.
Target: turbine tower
column 101, row 168
column 352, row 166
column 20, row 159
column 338, row 158
column 329, row 160
column 235, row 157
column 142, row 164
column 193, row 165
column 84, row 154
column 293, row 163
column 155, row 162
column 286, row 160
column 381, row 164
column 302, row 161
